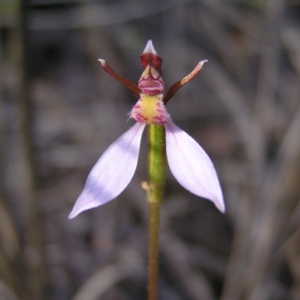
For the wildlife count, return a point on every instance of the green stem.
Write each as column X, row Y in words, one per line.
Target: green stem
column 154, row 214
column 157, row 177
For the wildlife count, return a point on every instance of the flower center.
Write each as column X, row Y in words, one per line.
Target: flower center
column 150, row 110
column 151, row 86
column 151, row 82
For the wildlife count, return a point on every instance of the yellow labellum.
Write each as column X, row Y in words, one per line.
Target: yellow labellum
column 150, row 110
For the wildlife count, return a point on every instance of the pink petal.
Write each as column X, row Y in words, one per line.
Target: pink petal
column 191, row 166
column 112, row 172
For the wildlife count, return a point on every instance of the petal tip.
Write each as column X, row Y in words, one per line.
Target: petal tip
column 149, row 48
column 72, row 215
column 220, row 206
column 217, row 198
column 75, row 211
column 202, row 62
column 102, row 61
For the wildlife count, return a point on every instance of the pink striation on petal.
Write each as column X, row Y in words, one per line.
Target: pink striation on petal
column 112, row 172
column 191, row 166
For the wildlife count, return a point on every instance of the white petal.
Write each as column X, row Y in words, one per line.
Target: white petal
column 191, row 166
column 112, row 172
column 149, row 48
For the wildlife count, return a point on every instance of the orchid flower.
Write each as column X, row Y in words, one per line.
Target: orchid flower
column 188, row 162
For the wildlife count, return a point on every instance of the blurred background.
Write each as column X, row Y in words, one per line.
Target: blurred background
column 59, row 111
